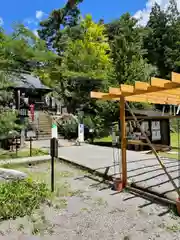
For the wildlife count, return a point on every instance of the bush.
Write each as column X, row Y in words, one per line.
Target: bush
column 69, row 129
column 20, row 198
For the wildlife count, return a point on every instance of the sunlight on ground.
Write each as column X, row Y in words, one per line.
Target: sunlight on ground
column 174, row 144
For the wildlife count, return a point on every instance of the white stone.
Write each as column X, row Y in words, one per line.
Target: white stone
column 10, row 174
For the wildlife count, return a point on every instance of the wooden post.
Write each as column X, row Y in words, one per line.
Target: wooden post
column 16, row 142
column 123, row 142
column 155, row 153
column 30, row 146
column 17, row 99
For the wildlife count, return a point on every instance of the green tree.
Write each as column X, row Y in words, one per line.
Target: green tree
column 163, row 38
column 58, row 25
column 172, row 46
column 8, row 117
column 89, row 56
column 156, row 39
column 85, row 65
column 23, row 51
column 20, row 51
column 126, row 41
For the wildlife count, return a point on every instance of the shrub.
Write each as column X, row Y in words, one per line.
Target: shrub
column 69, row 129
column 20, row 198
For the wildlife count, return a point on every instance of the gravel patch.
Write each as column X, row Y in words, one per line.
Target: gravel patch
column 85, row 208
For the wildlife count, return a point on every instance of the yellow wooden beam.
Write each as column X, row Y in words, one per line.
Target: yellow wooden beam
column 153, row 99
column 123, row 142
column 141, row 86
column 162, row 94
column 150, row 98
column 98, row 95
column 103, row 96
column 163, row 84
column 175, row 77
column 143, row 89
column 115, row 91
column 127, row 89
column 110, row 98
column 157, row 85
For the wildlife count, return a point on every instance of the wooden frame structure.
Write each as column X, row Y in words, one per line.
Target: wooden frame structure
column 158, row 91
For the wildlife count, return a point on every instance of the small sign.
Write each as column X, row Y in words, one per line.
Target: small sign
column 81, row 132
column 31, row 134
column 156, row 130
column 54, row 131
column 23, row 112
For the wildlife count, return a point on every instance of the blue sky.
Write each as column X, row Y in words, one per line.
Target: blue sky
column 30, row 12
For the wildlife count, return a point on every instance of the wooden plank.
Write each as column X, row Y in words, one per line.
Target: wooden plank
column 123, row 142
column 138, row 98
column 158, row 87
column 127, row 90
column 141, row 86
column 175, row 77
column 97, row 95
column 152, row 99
column 163, row 84
column 115, row 91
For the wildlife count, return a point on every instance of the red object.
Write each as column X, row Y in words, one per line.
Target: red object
column 32, row 111
column 118, row 186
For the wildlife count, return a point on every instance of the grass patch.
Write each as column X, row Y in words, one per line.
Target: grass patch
column 173, row 228
column 61, row 203
column 100, row 201
column 20, row 198
column 104, row 139
column 22, row 154
column 174, row 140
column 168, row 155
column 108, row 139
column 65, row 174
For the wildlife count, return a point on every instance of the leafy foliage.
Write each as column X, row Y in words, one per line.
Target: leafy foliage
column 75, row 56
column 85, row 65
column 88, row 57
column 69, row 129
column 51, row 29
column 126, row 40
column 20, row 198
column 21, row 51
column 8, row 117
column 22, row 154
column 162, row 39
column 8, row 122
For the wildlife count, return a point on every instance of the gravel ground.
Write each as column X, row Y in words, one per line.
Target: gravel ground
column 83, row 207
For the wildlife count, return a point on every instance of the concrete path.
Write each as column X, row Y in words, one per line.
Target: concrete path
column 144, row 170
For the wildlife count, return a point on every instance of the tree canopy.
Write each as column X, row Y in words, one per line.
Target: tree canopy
column 74, row 54
column 20, row 52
